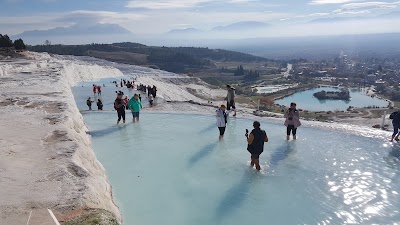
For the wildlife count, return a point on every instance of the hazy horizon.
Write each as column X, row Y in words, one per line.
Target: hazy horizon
column 285, row 18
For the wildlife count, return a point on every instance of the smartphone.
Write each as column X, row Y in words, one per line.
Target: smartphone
column 247, row 131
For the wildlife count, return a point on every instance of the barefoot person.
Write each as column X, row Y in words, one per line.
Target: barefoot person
column 89, row 103
column 292, row 121
column 94, row 89
column 230, row 99
column 395, row 117
column 222, row 120
column 120, row 107
column 255, row 145
column 99, row 90
column 99, row 105
column 135, row 105
column 151, row 100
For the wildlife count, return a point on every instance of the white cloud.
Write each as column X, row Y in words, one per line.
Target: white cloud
column 165, row 4
column 318, row 14
column 370, row 5
column 179, row 4
column 101, row 16
column 350, row 12
column 323, row 2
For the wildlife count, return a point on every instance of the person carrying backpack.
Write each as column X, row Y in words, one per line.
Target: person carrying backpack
column 89, row 103
column 395, row 117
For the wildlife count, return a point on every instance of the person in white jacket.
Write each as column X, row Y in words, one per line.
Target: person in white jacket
column 222, row 119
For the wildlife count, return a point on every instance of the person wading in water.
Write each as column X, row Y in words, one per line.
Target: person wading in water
column 292, row 121
column 222, row 119
column 120, row 107
column 255, row 143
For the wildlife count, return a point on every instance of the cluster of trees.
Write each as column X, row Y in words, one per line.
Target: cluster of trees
column 239, row 71
column 266, row 102
column 248, row 74
column 173, row 59
column 342, row 95
column 6, row 42
column 176, row 62
column 252, row 75
column 393, row 95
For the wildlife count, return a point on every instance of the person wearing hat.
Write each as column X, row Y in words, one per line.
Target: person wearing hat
column 120, row 107
column 255, row 143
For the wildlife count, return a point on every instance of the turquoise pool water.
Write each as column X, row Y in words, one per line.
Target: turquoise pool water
column 171, row 169
column 305, row 100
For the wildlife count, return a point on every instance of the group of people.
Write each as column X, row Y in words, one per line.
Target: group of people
column 97, row 89
column 255, row 139
column 99, row 104
column 134, row 104
column 257, row 136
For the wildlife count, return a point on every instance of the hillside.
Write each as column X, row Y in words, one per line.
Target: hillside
column 173, row 59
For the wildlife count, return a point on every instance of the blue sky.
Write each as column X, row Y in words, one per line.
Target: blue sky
column 158, row 16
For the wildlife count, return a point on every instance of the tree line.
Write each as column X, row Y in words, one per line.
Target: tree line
column 248, row 74
column 172, row 59
column 6, row 42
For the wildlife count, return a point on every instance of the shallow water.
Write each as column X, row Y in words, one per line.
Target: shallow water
column 171, row 169
column 305, row 100
column 85, row 90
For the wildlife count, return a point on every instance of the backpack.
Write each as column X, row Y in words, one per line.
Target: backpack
column 393, row 115
column 115, row 105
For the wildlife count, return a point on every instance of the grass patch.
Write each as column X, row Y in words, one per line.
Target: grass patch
column 94, row 217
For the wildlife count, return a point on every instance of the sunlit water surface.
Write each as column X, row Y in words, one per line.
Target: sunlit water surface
column 172, row 170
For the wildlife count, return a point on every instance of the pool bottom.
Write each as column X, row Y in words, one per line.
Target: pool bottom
column 171, row 169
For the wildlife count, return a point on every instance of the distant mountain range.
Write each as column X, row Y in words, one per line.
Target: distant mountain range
column 79, row 30
column 185, row 31
column 241, row 26
column 73, row 31
column 235, row 27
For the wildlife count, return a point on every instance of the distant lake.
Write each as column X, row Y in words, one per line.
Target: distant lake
column 306, row 101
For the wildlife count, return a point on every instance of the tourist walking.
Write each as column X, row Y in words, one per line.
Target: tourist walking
column 94, row 89
column 120, row 107
column 230, row 99
column 154, row 91
column 292, row 121
column 135, row 105
column 99, row 90
column 99, row 105
column 395, row 117
column 222, row 119
column 126, row 101
column 151, row 100
column 89, row 103
column 255, row 143
column 149, row 90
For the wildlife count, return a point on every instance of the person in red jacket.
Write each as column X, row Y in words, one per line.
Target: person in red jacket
column 94, row 89
column 99, row 90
